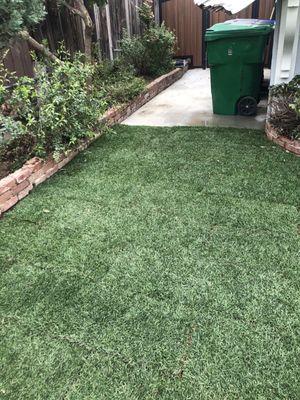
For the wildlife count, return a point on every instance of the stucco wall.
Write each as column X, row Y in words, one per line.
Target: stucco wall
column 286, row 51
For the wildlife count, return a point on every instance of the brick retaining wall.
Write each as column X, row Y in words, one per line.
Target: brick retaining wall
column 19, row 184
column 290, row 145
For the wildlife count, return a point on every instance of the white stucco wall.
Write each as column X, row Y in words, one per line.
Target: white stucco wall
column 286, row 51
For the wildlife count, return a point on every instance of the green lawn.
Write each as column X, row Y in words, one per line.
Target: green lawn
column 160, row 264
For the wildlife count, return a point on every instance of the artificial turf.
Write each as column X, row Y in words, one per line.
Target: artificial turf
column 162, row 263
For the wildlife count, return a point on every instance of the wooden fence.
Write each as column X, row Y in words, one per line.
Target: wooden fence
column 189, row 23
column 182, row 16
column 61, row 26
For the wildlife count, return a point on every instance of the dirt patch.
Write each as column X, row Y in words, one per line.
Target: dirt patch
column 4, row 169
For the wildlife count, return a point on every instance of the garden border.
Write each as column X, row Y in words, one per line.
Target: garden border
column 290, row 145
column 16, row 186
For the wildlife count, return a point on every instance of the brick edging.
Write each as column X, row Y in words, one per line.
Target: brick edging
column 290, row 145
column 16, row 186
column 118, row 115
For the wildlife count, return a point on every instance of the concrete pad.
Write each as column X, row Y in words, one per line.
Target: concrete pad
column 188, row 102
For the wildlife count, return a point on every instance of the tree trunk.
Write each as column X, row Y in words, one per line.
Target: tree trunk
column 88, row 27
column 78, row 7
column 38, row 46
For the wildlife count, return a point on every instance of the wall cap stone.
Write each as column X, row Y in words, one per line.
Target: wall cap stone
column 290, row 145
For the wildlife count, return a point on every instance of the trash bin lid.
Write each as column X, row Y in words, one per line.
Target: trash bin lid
column 239, row 28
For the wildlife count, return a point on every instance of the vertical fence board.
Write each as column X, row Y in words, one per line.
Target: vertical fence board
column 135, row 19
column 127, row 15
column 103, row 33
column 185, row 20
column 109, row 32
column 18, row 60
column 118, row 22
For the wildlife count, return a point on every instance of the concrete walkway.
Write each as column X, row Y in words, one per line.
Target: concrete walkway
column 188, row 102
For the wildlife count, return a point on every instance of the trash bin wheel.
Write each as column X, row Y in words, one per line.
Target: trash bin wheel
column 247, row 106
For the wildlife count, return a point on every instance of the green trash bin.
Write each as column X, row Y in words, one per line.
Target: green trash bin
column 235, row 52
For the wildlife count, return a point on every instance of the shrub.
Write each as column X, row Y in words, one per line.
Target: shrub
column 285, row 108
column 133, row 53
column 159, row 43
column 50, row 113
column 67, row 109
column 151, row 54
column 16, row 16
column 146, row 14
column 61, row 105
column 16, row 145
column 116, row 83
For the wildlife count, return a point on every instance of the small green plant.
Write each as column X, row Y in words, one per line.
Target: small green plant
column 151, row 54
column 16, row 144
column 285, row 108
column 5, row 78
column 57, row 107
column 133, row 53
column 61, row 105
column 146, row 14
column 16, row 16
column 116, row 83
column 159, row 43
column 67, row 111
column 10, row 129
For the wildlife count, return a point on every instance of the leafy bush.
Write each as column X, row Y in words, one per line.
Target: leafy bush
column 146, row 14
column 67, row 111
column 16, row 145
column 151, row 54
column 18, row 15
column 57, row 108
column 285, row 108
column 61, row 105
column 116, row 83
column 159, row 43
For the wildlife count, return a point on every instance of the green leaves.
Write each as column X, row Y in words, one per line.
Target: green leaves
column 51, row 113
column 116, row 82
column 67, row 111
column 18, row 15
column 146, row 14
column 57, row 107
column 152, row 53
